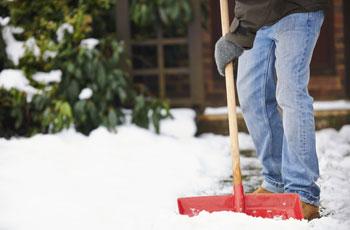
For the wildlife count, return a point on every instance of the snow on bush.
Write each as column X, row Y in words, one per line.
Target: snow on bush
column 4, row 21
column 15, row 79
column 89, row 43
column 65, row 27
column 32, row 47
column 49, row 54
column 85, row 94
column 14, row 49
column 46, row 78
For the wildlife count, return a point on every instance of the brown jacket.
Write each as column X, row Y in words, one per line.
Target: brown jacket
column 251, row 15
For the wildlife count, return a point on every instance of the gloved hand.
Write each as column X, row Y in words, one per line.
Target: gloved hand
column 225, row 52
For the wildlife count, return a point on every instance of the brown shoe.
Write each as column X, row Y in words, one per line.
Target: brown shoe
column 261, row 190
column 310, row 211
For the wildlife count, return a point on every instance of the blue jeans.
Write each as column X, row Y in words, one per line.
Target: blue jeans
column 272, row 86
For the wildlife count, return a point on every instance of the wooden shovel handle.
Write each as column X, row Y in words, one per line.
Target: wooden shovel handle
column 231, row 101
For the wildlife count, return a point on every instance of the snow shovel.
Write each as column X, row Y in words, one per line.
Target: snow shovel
column 282, row 206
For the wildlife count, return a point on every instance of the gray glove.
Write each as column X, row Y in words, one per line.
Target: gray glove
column 225, row 52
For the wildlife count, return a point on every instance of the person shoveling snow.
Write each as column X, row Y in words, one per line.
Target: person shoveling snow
column 273, row 74
column 274, row 41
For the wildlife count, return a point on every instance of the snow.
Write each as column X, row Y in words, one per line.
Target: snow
column 65, row 27
column 334, row 153
column 332, row 105
column 318, row 106
column 14, row 49
column 219, row 110
column 85, row 94
column 182, row 126
column 89, row 43
column 131, row 179
column 49, row 54
column 46, row 78
column 4, row 21
column 31, row 46
column 15, row 79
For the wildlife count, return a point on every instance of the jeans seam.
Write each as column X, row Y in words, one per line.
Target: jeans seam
column 264, row 99
column 299, row 96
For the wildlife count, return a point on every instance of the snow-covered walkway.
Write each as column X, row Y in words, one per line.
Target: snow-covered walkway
column 130, row 180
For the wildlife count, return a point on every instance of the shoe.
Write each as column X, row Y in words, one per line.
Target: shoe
column 261, row 190
column 310, row 211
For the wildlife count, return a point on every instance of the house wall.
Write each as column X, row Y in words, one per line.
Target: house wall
column 332, row 85
column 346, row 14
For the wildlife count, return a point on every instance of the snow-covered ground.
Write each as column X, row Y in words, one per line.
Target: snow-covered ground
column 131, row 179
column 318, row 106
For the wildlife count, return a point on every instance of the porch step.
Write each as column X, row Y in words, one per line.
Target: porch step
column 218, row 123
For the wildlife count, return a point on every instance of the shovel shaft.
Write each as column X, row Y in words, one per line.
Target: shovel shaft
column 231, row 102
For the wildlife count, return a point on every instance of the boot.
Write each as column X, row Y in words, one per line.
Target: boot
column 261, row 190
column 310, row 211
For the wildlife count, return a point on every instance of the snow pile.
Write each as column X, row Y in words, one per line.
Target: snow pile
column 130, row 180
column 107, row 181
column 334, row 158
column 181, row 126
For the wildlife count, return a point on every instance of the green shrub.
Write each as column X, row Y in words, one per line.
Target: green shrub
column 41, row 115
column 13, row 113
column 98, row 69
column 164, row 12
column 57, row 105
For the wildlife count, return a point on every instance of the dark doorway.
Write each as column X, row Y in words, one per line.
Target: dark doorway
column 347, row 45
column 323, row 60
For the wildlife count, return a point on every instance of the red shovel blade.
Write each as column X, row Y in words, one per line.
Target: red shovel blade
column 283, row 206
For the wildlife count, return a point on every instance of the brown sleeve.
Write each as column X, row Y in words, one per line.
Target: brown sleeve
column 241, row 36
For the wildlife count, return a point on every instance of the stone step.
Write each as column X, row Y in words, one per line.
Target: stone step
column 218, row 123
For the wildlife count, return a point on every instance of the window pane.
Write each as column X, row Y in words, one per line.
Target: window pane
column 144, row 57
column 140, row 33
column 176, row 56
column 177, row 86
column 147, row 84
column 175, row 31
